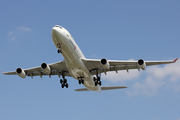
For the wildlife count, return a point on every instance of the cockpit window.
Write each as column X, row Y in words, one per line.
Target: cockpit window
column 58, row 26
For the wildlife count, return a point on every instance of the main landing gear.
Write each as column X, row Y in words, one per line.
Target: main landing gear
column 81, row 80
column 63, row 81
column 97, row 79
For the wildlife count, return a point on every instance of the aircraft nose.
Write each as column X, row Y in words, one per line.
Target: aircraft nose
column 54, row 30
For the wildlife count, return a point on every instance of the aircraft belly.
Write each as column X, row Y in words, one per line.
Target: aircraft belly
column 78, row 73
column 88, row 81
column 77, row 69
column 89, row 84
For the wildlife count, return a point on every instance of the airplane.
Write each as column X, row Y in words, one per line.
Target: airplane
column 86, row 71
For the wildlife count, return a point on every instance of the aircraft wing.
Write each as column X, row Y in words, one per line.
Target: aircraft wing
column 115, row 65
column 57, row 68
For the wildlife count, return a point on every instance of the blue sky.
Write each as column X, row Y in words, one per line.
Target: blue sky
column 119, row 30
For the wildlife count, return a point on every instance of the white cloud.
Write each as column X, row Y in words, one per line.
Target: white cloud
column 155, row 78
column 171, row 70
column 12, row 38
column 149, row 87
column 167, row 77
column 121, row 76
column 94, row 56
column 23, row 29
column 12, row 35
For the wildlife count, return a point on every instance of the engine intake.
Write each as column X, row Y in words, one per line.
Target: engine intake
column 105, row 63
column 45, row 67
column 21, row 73
column 142, row 64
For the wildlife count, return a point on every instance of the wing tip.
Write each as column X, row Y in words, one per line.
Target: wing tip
column 175, row 59
column 2, row 72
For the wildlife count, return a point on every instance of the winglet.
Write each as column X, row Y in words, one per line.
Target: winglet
column 175, row 59
column 2, row 72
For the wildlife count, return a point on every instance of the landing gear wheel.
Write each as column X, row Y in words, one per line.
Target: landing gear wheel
column 94, row 78
column 67, row 85
column 95, row 83
column 61, row 81
column 65, row 80
column 82, row 81
column 100, row 83
column 79, row 81
column 62, row 85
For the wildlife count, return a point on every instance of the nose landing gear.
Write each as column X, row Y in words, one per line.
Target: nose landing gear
column 59, row 48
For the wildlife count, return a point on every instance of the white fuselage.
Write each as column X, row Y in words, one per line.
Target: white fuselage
column 73, row 56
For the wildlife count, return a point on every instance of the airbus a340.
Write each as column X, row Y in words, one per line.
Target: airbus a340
column 75, row 65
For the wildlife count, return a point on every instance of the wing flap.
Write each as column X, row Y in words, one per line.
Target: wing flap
column 52, row 73
column 122, row 67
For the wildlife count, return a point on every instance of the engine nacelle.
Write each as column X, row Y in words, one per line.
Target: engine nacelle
column 45, row 67
column 21, row 73
column 105, row 63
column 142, row 64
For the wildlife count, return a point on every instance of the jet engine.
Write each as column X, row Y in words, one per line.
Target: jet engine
column 45, row 67
column 142, row 64
column 105, row 63
column 21, row 73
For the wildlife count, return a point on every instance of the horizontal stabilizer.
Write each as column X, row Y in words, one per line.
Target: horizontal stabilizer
column 114, row 87
column 83, row 89
column 103, row 88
